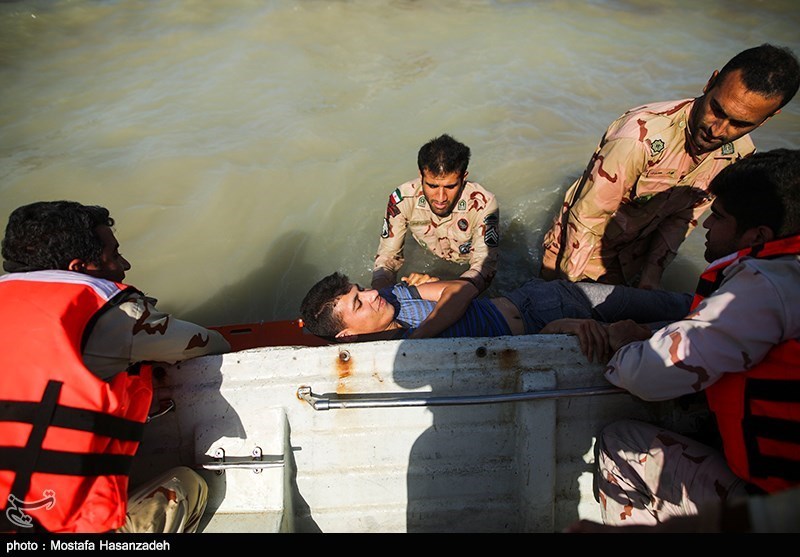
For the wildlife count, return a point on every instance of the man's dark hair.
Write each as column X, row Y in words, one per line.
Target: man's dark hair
column 443, row 155
column 317, row 307
column 762, row 189
column 50, row 234
column 768, row 70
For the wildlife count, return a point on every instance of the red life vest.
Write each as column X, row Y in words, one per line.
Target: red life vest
column 758, row 410
column 67, row 438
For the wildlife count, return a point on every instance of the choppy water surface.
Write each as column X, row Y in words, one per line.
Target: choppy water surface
column 247, row 148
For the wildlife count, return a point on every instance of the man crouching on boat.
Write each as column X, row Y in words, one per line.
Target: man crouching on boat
column 738, row 349
column 76, row 387
column 337, row 308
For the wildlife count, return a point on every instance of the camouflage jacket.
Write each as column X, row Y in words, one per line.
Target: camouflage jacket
column 470, row 234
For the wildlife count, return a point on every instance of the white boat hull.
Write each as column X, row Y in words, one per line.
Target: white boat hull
column 501, row 467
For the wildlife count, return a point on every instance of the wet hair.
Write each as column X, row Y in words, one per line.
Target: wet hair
column 50, row 234
column 443, row 155
column 762, row 189
column 768, row 70
column 317, row 308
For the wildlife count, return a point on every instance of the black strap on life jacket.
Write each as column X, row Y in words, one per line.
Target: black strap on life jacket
column 763, row 427
column 73, row 418
column 32, row 458
column 28, row 455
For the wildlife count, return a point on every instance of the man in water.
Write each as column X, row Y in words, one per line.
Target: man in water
column 646, row 185
column 454, row 219
column 337, row 308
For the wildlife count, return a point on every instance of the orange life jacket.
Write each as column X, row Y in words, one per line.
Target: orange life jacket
column 758, row 410
column 67, row 437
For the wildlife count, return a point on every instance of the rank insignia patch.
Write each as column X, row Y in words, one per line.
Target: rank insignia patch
column 727, row 149
column 462, row 205
column 657, row 146
column 463, row 225
column 386, row 229
column 491, row 235
column 421, row 202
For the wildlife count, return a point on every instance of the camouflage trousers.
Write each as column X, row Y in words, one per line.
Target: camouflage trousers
column 646, row 474
column 171, row 503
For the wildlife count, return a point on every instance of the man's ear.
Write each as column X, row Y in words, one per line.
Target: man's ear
column 466, row 173
column 757, row 235
column 77, row 266
column 711, row 80
column 343, row 333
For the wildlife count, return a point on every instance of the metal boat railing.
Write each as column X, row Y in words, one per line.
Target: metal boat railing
column 394, row 400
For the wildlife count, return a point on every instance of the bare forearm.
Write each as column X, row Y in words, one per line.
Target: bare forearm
column 451, row 306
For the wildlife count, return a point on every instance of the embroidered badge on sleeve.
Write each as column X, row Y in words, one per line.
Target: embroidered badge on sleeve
column 491, row 235
column 391, row 208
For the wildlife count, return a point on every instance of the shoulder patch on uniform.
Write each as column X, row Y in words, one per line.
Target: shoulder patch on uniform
column 462, row 205
column 387, row 229
column 391, row 207
column 421, row 202
column 657, row 146
column 491, row 235
column 727, row 149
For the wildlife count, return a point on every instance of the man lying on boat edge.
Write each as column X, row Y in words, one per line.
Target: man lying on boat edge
column 336, row 308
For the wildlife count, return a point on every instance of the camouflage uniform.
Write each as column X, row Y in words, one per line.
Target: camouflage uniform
column 171, row 503
column 470, row 234
column 638, row 200
column 133, row 330
column 646, row 473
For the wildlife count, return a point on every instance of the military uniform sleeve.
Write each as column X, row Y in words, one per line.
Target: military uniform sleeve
column 390, row 258
column 672, row 232
column 732, row 330
column 615, row 167
column 485, row 251
column 135, row 331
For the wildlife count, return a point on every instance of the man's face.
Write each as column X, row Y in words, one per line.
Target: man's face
column 363, row 312
column 727, row 111
column 442, row 192
column 112, row 265
column 721, row 238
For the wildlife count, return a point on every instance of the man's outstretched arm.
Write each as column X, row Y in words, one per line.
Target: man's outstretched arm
column 452, row 299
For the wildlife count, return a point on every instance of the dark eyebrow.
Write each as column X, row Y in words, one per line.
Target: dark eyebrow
column 443, row 186
column 356, row 300
column 740, row 123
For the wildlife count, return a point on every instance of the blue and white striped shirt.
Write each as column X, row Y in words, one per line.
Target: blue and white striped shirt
column 482, row 318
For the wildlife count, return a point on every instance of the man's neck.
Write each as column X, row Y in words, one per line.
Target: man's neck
column 691, row 147
column 390, row 333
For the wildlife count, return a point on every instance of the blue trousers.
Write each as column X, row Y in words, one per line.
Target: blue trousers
column 540, row 302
